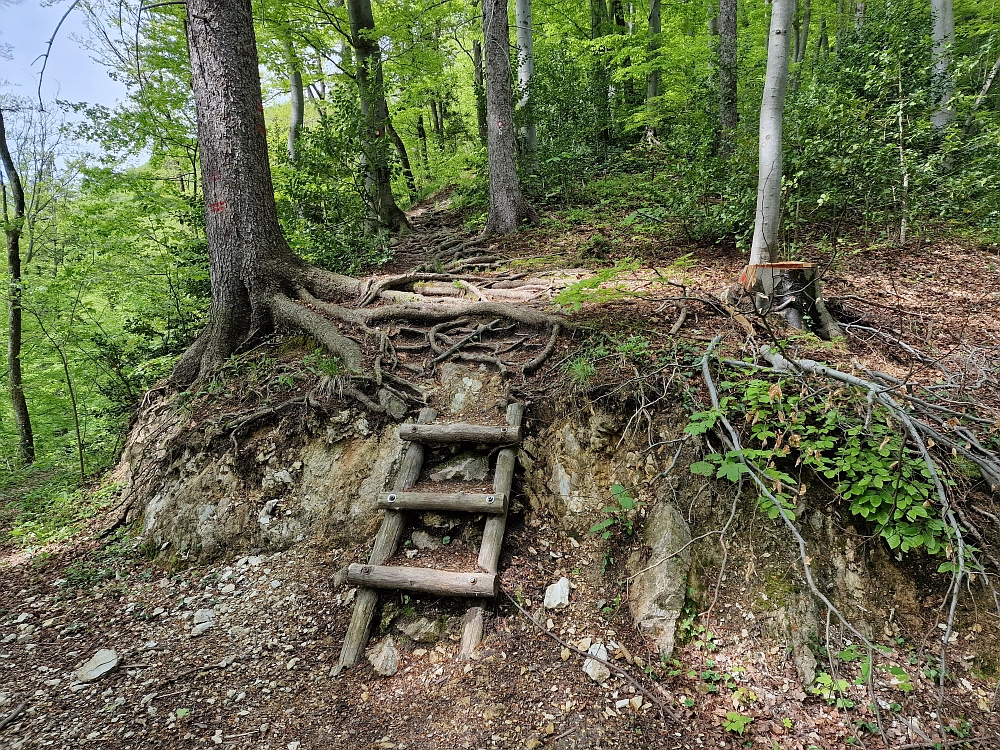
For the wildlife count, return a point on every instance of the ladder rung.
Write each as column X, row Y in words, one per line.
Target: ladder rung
column 444, row 501
column 427, row 580
column 460, row 432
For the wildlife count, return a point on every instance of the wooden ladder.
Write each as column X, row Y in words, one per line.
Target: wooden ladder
column 484, row 583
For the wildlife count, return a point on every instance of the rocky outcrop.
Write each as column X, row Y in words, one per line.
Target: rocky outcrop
column 660, row 582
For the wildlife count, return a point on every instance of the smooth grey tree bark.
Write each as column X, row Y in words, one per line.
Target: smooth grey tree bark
column 768, row 213
column 987, row 84
column 508, row 208
column 728, row 113
column 943, row 13
column 13, row 223
column 297, row 98
column 525, row 70
column 653, row 47
column 382, row 207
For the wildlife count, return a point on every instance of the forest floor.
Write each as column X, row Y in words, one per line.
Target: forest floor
column 261, row 676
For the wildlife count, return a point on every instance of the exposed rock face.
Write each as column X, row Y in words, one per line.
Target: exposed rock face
column 657, row 592
column 797, row 623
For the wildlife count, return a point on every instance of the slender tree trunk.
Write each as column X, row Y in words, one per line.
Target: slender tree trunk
column 437, row 124
column 943, row 13
column 859, row 14
column 987, row 84
column 374, row 113
column 728, row 113
column 802, row 39
column 508, row 208
column 404, row 158
column 653, row 47
column 13, row 224
column 422, row 137
column 600, row 26
column 768, row 213
column 525, row 69
column 479, row 88
column 297, row 100
column 823, row 43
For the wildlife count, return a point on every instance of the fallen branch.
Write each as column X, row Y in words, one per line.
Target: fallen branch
column 12, row 716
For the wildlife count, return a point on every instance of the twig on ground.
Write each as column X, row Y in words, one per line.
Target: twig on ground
column 12, row 716
column 623, row 672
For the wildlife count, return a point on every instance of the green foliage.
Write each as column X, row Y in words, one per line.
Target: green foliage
column 849, row 444
column 594, row 289
column 621, row 515
column 54, row 509
column 736, row 722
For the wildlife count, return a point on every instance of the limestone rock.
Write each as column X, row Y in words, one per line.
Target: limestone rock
column 597, row 671
column 423, row 540
column 385, row 657
column 657, row 593
column 557, row 595
column 100, row 664
column 422, row 630
column 204, row 620
column 798, row 624
column 467, row 468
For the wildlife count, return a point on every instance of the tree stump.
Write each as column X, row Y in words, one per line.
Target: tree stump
column 791, row 288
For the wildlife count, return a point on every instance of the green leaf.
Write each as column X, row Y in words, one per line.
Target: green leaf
column 703, row 468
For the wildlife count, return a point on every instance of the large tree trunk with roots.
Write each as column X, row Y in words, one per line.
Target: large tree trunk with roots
column 252, row 270
column 258, row 283
column 374, row 115
column 508, row 208
column 14, row 223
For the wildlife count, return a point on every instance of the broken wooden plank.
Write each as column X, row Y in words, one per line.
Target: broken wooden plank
column 465, row 502
column 472, row 633
column 426, row 580
column 461, row 432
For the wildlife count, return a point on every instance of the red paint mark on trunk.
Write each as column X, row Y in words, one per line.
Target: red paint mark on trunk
column 217, row 206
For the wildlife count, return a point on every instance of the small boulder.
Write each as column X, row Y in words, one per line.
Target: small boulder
column 594, row 669
column 467, row 468
column 385, row 657
column 557, row 595
column 422, row 630
column 204, row 620
column 103, row 662
column 423, row 540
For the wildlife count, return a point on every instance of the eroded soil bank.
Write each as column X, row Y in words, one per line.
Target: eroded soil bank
column 226, row 611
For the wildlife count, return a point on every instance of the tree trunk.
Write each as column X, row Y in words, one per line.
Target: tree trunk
column 987, row 84
column 525, row 69
column 422, row 137
column 943, row 13
column 13, row 224
column 653, row 79
column 802, row 38
column 297, row 100
column 823, row 44
column 508, row 208
column 252, row 271
column 480, row 90
column 768, row 213
column 382, row 207
column 404, row 158
column 728, row 114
